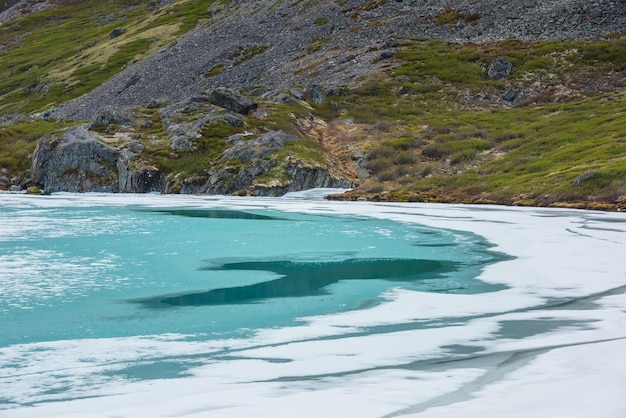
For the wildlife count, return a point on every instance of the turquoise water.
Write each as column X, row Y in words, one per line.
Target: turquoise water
column 74, row 272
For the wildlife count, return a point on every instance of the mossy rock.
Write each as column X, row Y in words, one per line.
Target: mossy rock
column 33, row 190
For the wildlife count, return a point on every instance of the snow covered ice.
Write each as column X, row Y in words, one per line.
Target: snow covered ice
column 548, row 340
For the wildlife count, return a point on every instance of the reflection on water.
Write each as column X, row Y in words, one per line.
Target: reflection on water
column 307, row 278
column 215, row 214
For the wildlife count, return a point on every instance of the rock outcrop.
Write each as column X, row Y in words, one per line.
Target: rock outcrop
column 232, row 100
column 79, row 161
column 76, row 162
column 137, row 177
column 251, row 166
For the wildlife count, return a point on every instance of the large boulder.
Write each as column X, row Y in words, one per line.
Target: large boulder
column 231, row 100
column 75, row 162
column 314, row 93
column 499, row 69
column 114, row 116
column 79, row 162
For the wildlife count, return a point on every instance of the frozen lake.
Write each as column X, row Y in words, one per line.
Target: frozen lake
column 182, row 306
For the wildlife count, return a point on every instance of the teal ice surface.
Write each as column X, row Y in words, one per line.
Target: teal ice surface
column 113, row 271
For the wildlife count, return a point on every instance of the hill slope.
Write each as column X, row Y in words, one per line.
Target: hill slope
column 406, row 99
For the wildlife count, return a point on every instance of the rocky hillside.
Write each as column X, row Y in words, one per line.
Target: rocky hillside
column 405, row 100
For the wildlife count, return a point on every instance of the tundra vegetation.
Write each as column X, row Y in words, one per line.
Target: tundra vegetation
column 433, row 125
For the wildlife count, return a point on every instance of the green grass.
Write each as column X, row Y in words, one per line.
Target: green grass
column 461, row 150
column 18, row 141
column 61, row 53
column 186, row 14
column 553, row 146
column 198, row 160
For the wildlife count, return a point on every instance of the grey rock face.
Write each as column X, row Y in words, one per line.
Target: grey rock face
column 77, row 162
column 314, row 93
column 135, row 177
column 256, row 153
column 80, row 162
column 499, row 69
column 231, row 100
column 114, row 116
column 117, row 32
column 259, row 148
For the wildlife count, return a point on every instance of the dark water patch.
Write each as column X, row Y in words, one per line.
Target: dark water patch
column 156, row 370
column 435, row 245
column 309, row 278
column 596, row 228
column 460, row 350
column 519, row 329
column 586, row 302
column 216, row 214
column 606, row 220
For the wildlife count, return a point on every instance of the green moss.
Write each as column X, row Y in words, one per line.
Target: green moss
column 320, row 21
column 440, row 60
column 198, row 160
column 91, row 76
column 247, row 54
column 186, row 14
column 450, row 16
column 217, row 69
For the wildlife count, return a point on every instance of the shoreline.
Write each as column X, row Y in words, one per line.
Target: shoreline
column 340, row 195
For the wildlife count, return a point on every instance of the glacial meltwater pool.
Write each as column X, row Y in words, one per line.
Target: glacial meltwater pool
column 243, row 302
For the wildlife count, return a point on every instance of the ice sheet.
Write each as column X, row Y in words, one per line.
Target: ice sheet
column 550, row 344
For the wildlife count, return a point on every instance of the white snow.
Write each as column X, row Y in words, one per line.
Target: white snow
column 569, row 362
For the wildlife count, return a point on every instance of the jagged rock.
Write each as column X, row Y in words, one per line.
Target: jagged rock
column 117, row 32
column 256, row 154
column 180, row 143
column 391, row 43
column 499, row 69
column 184, row 122
column 278, row 96
column 231, row 100
column 583, row 177
column 258, row 148
column 13, row 119
column 135, row 147
column 76, row 162
column 79, row 162
column 334, row 91
column 304, row 177
column 514, row 96
column 314, row 93
column 259, row 91
column 297, row 93
column 114, row 116
column 230, row 119
column 137, row 177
